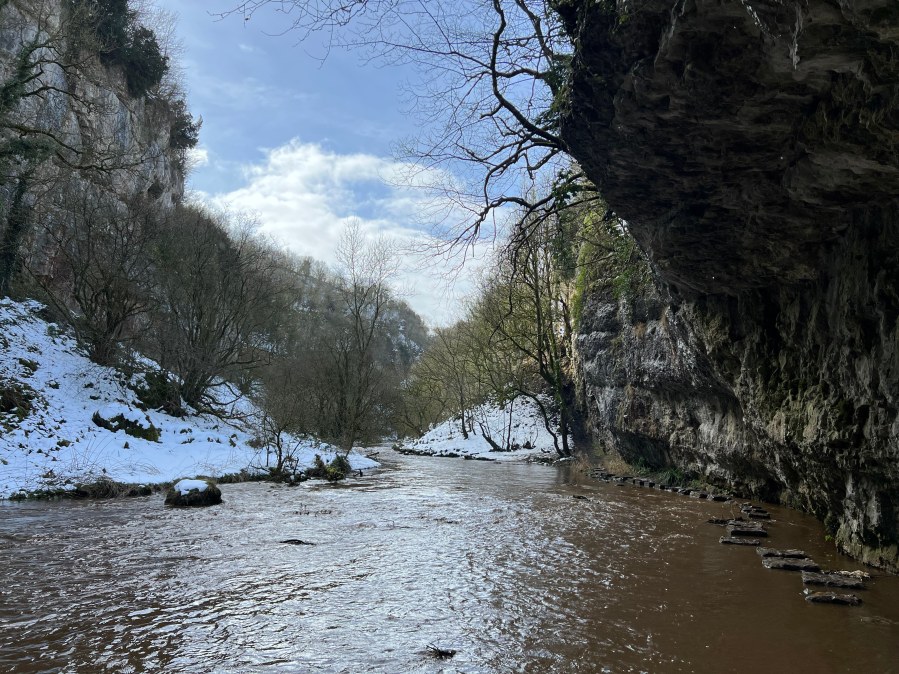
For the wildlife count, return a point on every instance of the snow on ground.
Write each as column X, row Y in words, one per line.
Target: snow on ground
column 528, row 434
column 58, row 443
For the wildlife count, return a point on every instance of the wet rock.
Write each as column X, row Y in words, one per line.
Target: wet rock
column 718, row 521
column 745, row 529
column 832, row 580
column 788, row 554
column 790, row 564
column 579, row 497
column 296, row 541
column 729, row 136
column 738, row 540
column 193, row 494
column 719, row 498
column 756, row 513
column 832, row 598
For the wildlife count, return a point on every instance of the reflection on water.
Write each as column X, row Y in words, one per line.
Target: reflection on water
column 498, row 562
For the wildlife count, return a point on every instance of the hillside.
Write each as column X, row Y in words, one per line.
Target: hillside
column 517, row 426
column 53, row 398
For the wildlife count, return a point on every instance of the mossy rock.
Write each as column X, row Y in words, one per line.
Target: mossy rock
column 193, row 494
column 133, row 428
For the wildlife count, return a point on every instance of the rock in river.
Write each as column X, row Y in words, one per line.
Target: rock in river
column 790, row 564
column 792, row 554
column 832, row 598
column 832, row 580
column 193, row 493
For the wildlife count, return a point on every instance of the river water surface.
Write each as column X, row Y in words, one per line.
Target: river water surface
column 498, row 562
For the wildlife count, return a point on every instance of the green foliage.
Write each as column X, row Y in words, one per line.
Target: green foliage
column 143, row 61
column 337, row 469
column 184, row 132
column 123, row 41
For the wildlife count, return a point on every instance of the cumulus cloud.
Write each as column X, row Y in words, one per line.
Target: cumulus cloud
column 303, row 195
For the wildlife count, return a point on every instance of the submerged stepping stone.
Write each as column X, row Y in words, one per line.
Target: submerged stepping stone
column 832, row 598
column 790, row 554
column 832, row 580
column 790, row 564
column 717, row 520
column 730, row 540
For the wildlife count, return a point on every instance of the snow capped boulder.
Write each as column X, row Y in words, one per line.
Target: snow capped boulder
column 188, row 493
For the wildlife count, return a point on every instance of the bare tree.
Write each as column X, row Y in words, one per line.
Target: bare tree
column 493, row 74
column 218, row 301
column 365, row 271
column 100, row 251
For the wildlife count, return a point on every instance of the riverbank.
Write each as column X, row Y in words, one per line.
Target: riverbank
column 512, row 431
column 70, row 425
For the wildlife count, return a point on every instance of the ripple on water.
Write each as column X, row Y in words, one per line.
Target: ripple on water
column 495, row 561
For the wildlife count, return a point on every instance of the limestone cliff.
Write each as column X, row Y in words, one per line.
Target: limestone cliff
column 81, row 110
column 751, row 146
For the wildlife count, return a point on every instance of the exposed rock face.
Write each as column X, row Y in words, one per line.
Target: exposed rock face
column 751, row 145
column 87, row 109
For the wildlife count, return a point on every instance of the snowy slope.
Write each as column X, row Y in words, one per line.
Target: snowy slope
column 59, row 443
column 528, row 432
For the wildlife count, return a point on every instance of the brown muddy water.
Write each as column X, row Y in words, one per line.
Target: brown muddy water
column 498, row 562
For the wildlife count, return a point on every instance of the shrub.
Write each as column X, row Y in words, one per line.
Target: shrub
column 16, row 398
column 132, row 428
column 334, row 471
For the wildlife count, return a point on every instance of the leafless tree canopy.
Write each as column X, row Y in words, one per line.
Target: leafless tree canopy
column 492, row 73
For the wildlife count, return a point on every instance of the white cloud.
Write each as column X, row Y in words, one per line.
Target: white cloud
column 197, row 156
column 303, row 195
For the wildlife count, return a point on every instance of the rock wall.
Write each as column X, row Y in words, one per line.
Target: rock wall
column 87, row 109
column 751, row 146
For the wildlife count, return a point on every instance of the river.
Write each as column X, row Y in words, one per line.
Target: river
column 498, row 562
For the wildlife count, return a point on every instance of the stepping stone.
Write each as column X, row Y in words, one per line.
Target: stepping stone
column 790, row 564
column 759, row 516
column 719, row 498
column 790, row 554
column 698, row 494
column 717, row 520
column 730, row 540
column 745, row 529
column 832, row 598
column 832, row 580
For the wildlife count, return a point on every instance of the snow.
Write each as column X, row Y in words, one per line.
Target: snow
column 57, row 444
column 522, row 417
column 184, row 487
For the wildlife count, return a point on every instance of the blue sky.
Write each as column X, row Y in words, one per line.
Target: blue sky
column 303, row 143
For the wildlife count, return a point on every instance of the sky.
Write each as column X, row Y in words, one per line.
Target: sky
column 301, row 138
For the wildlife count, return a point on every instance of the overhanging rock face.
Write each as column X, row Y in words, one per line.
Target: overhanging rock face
column 753, row 148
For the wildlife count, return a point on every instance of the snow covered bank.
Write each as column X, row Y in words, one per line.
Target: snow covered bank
column 518, row 425
column 65, row 420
